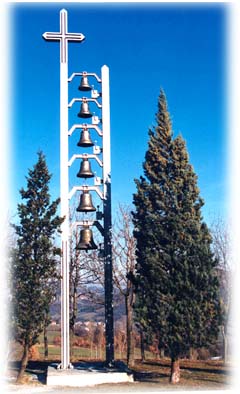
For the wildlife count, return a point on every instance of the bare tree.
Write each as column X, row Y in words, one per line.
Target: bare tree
column 221, row 249
column 88, row 268
column 123, row 270
column 120, row 338
column 98, row 339
column 123, row 252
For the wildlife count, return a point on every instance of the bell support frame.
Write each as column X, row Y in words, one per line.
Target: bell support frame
column 85, row 156
column 83, row 188
column 83, row 99
column 85, row 125
column 83, row 74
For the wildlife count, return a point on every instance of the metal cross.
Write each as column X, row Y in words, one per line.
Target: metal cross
column 63, row 36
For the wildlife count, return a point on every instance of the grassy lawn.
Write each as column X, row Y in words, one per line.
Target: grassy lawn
column 194, row 374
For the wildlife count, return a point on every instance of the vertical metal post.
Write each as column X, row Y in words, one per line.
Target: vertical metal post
column 65, row 351
column 107, row 217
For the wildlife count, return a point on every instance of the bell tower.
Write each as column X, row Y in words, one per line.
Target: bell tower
column 101, row 184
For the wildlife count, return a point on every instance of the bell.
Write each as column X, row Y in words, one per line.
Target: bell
column 86, row 204
column 84, row 85
column 86, row 241
column 85, row 139
column 84, row 111
column 85, row 169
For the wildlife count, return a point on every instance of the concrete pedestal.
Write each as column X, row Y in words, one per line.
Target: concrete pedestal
column 88, row 374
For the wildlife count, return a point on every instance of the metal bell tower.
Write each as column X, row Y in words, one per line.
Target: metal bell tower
column 102, row 185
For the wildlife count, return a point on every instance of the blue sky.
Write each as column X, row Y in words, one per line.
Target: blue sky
column 181, row 48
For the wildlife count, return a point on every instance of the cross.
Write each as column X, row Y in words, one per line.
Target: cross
column 63, row 36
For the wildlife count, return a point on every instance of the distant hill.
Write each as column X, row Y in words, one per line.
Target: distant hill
column 90, row 311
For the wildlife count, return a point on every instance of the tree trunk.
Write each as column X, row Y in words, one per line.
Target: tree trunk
column 91, row 349
column 175, row 371
column 23, row 364
column 225, row 344
column 73, row 320
column 192, row 354
column 45, row 342
column 130, row 337
column 71, row 339
column 161, row 353
column 143, row 358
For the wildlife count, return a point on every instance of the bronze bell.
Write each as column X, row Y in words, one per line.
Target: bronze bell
column 85, row 139
column 85, row 169
column 84, row 84
column 84, row 111
column 86, row 241
column 86, row 204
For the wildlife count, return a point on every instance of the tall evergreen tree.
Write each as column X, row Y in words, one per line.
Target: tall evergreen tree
column 177, row 287
column 34, row 265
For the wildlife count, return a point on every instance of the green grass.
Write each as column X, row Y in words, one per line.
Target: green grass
column 194, row 374
column 56, row 351
column 50, row 335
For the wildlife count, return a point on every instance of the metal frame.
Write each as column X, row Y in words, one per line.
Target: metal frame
column 85, row 125
column 63, row 37
column 107, row 218
column 83, row 188
column 83, row 99
column 84, row 73
column 83, row 223
column 85, row 156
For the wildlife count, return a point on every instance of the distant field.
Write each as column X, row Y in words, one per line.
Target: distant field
column 77, row 353
column 51, row 334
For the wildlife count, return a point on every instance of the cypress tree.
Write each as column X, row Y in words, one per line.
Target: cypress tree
column 34, row 263
column 177, row 286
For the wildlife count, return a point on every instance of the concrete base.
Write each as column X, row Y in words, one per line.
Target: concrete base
column 88, row 374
